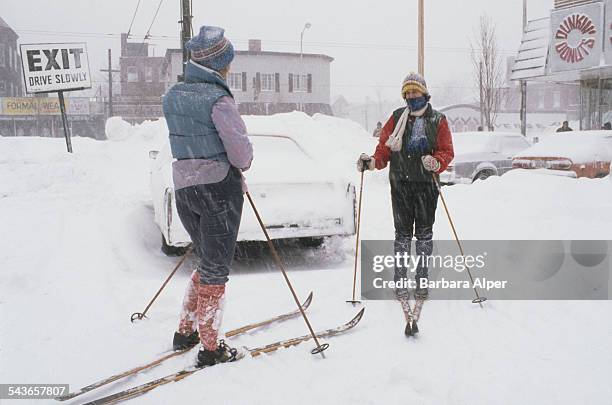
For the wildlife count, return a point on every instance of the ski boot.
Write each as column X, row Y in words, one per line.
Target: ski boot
column 183, row 342
column 222, row 354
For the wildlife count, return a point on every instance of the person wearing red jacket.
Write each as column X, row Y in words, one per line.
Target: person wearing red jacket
column 416, row 141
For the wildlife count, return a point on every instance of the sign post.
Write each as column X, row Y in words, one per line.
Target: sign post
column 56, row 68
column 65, row 120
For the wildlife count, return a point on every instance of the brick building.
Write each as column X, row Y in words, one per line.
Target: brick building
column 10, row 64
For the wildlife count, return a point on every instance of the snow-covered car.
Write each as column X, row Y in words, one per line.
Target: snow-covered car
column 479, row 155
column 570, row 154
column 295, row 196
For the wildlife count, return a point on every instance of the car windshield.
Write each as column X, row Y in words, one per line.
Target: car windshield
column 275, row 151
column 465, row 143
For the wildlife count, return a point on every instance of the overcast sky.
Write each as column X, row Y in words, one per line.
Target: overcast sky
column 373, row 41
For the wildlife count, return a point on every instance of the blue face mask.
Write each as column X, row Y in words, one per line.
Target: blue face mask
column 416, row 104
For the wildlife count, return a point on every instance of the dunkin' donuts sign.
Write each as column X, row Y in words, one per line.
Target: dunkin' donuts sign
column 575, row 38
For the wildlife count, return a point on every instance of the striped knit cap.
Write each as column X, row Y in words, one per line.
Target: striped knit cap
column 414, row 82
column 210, row 48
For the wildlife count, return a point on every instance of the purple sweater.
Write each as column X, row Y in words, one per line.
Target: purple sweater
column 233, row 134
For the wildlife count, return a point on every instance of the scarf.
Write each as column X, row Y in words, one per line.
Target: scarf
column 418, row 135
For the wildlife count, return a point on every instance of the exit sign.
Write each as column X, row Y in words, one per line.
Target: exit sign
column 55, row 67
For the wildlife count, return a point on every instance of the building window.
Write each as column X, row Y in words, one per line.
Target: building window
column 541, row 97
column 267, row 82
column 148, row 74
column 2, row 55
column 10, row 53
column 300, row 83
column 132, row 74
column 557, row 99
column 234, row 81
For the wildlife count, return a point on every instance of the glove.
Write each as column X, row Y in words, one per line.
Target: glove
column 365, row 162
column 430, row 163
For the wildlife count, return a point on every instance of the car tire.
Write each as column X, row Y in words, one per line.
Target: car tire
column 170, row 250
column 311, row 242
column 483, row 175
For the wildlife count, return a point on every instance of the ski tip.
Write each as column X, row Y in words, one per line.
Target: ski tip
column 308, row 301
column 359, row 315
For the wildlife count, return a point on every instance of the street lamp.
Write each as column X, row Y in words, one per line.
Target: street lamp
column 300, row 77
column 306, row 26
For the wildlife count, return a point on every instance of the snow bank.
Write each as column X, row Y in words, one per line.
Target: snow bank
column 149, row 131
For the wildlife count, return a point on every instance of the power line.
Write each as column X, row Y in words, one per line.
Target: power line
column 348, row 45
column 148, row 34
column 133, row 18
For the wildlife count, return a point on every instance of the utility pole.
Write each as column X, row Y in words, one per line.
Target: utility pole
column 110, row 72
column 301, row 74
column 421, row 38
column 480, row 88
column 523, row 83
column 367, row 105
column 186, row 31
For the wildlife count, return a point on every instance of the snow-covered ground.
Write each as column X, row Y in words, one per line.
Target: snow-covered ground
column 80, row 253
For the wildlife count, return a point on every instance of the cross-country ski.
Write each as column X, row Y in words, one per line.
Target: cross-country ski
column 229, row 334
column 272, row 347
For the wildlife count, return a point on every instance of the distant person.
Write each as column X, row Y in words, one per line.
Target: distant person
column 209, row 141
column 607, row 126
column 565, row 127
column 377, row 130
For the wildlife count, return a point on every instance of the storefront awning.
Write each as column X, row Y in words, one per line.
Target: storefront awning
column 530, row 62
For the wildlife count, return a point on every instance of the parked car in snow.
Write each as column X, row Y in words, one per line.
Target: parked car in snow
column 295, row 197
column 479, row 155
column 570, row 154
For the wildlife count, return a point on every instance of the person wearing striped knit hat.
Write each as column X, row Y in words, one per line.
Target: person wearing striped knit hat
column 209, row 143
column 417, row 142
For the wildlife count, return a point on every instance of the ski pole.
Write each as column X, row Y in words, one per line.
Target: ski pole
column 354, row 301
column 478, row 300
column 140, row 315
column 320, row 347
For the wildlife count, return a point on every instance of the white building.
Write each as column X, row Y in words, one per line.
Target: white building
column 265, row 82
